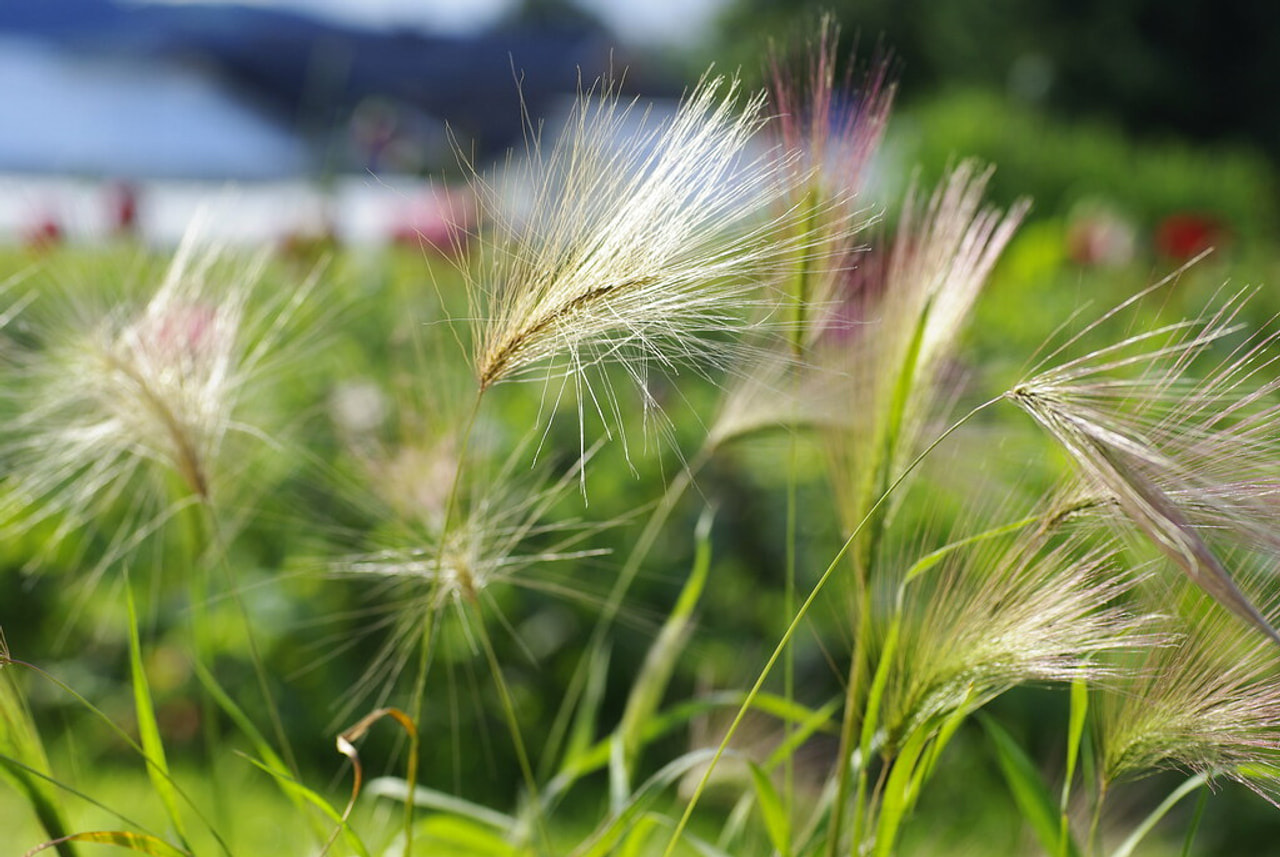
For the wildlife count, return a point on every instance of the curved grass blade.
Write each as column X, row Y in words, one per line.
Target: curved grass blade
column 269, row 757
column 20, row 740
column 318, row 801
column 1038, row 808
column 397, row 789
column 776, row 821
column 1139, row 833
column 461, row 837
column 346, row 747
column 149, row 729
column 651, row 683
column 142, row 843
column 1075, row 737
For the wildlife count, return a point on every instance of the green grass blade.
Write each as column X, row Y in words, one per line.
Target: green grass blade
column 1139, row 833
column 1075, row 736
column 396, row 788
column 261, row 745
column 651, row 684
column 318, row 801
column 19, row 740
column 664, row 722
column 899, row 793
column 149, row 729
column 802, row 730
column 582, row 733
column 609, row 833
column 1194, row 826
column 931, row 559
column 453, row 836
column 641, row 831
column 776, row 821
column 142, row 843
column 871, row 713
column 46, row 809
column 1034, row 802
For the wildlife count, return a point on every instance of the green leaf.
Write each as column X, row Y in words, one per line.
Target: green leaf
column 899, row 792
column 638, row 838
column 453, row 836
column 776, row 821
column 19, row 740
column 396, row 788
column 267, row 755
column 804, row 728
column 619, row 777
column 140, row 842
column 319, row 803
column 1038, row 808
column 582, row 732
column 1145, row 827
column 931, row 559
column 945, row 732
column 871, row 717
column 149, row 729
column 603, row 840
column 651, row 683
column 1075, row 736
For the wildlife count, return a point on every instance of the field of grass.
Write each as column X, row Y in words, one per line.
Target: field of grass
column 663, row 521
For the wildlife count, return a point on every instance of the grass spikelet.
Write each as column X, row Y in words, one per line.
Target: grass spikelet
column 888, row 344
column 643, row 250
column 501, row 533
column 835, row 124
column 1209, row 703
column 1191, row 461
column 1002, row 613
column 145, row 406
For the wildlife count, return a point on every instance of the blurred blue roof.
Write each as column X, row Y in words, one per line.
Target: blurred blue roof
column 212, row 90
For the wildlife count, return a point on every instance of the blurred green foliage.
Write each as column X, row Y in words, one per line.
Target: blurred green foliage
column 1202, row 69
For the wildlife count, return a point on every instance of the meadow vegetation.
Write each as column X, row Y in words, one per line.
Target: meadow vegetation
column 702, row 499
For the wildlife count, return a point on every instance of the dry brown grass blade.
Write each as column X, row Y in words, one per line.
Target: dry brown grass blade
column 346, row 746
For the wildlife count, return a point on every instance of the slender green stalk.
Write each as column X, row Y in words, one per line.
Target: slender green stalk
column 1194, row 826
column 1093, row 843
column 626, row 576
column 255, row 653
column 800, row 300
column 428, row 624
column 789, row 606
column 849, row 721
column 513, row 726
column 801, row 613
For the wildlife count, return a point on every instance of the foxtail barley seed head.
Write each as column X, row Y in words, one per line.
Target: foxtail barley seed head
column 643, row 246
column 835, row 124
column 142, row 401
column 835, row 121
column 827, row 132
column 500, row 533
column 1004, row 613
column 1192, row 463
column 1209, row 702
column 885, row 348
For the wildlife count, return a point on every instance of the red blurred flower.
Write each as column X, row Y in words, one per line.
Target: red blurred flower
column 1186, row 234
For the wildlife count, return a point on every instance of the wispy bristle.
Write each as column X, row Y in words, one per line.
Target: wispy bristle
column 888, row 343
column 138, row 402
column 503, row 533
column 1191, row 462
column 642, row 244
column 1005, row 614
column 1210, row 703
